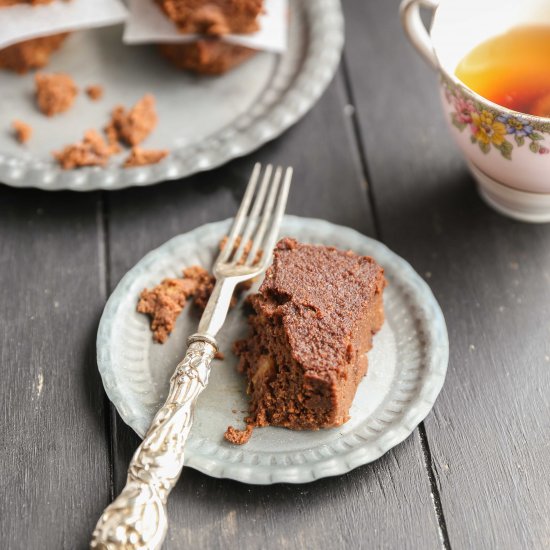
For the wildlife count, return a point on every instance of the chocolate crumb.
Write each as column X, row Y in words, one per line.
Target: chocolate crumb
column 238, row 437
column 91, row 151
column 134, row 125
column 94, row 92
column 143, row 157
column 164, row 303
column 219, row 355
column 55, row 93
column 22, row 131
column 206, row 285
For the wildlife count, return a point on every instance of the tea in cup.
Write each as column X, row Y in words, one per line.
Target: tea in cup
column 493, row 60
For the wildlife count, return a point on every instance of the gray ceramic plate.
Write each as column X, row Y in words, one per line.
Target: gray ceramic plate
column 407, row 367
column 204, row 121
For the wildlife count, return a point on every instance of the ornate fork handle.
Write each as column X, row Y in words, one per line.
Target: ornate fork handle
column 137, row 518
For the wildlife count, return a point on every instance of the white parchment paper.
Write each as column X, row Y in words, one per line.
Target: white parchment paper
column 147, row 23
column 22, row 22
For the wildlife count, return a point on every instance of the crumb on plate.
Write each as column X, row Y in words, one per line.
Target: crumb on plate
column 143, row 157
column 92, row 150
column 238, row 437
column 134, row 125
column 55, row 93
column 22, row 131
column 94, row 92
column 164, row 303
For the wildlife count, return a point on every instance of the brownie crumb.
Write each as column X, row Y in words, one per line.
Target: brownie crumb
column 164, row 303
column 219, row 355
column 55, row 93
column 238, row 437
column 91, row 151
column 134, row 125
column 143, row 157
column 205, row 286
column 22, row 131
column 112, row 139
column 94, row 92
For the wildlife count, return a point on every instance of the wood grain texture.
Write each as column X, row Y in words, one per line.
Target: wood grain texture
column 383, row 505
column 490, row 429
column 54, row 454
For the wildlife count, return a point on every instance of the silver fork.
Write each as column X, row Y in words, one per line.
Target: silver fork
column 137, row 518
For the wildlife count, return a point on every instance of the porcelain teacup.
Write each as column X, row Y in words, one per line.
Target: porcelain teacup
column 508, row 152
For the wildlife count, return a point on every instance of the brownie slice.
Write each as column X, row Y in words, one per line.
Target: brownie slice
column 312, row 323
column 213, row 17
column 30, row 54
column 209, row 56
column 5, row 3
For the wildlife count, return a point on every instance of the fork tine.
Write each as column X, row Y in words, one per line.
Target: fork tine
column 254, row 214
column 268, row 209
column 241, row 214
column 273, row 233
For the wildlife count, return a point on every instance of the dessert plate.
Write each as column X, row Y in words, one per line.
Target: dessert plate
column 407, row 367
column 203, row 121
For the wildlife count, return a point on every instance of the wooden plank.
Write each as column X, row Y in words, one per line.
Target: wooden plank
column 384, row 505
column 54, row 455
column 489, row 432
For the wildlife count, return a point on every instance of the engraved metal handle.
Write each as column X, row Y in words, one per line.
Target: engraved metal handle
column 137, row 518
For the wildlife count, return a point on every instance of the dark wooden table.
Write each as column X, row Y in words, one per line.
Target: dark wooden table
column 374, row 154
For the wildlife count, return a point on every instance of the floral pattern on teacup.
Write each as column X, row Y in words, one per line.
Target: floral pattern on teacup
column 490, row 129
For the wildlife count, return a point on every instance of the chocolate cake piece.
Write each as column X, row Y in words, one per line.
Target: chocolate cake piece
column 209, row 57
column 30, row 54
column 312, row 323
column 213, row 17
column 6, row 3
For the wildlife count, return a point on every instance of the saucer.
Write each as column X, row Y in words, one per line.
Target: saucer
column 519, row 205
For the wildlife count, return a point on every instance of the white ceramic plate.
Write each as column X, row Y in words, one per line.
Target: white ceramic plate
column 203, row 121
column 407, row 367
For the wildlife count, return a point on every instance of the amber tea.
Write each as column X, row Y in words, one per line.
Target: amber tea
column 512, row 69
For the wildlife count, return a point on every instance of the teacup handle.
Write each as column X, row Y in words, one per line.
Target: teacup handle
column 415, row 29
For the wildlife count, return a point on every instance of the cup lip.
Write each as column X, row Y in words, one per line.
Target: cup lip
column 495, row 106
